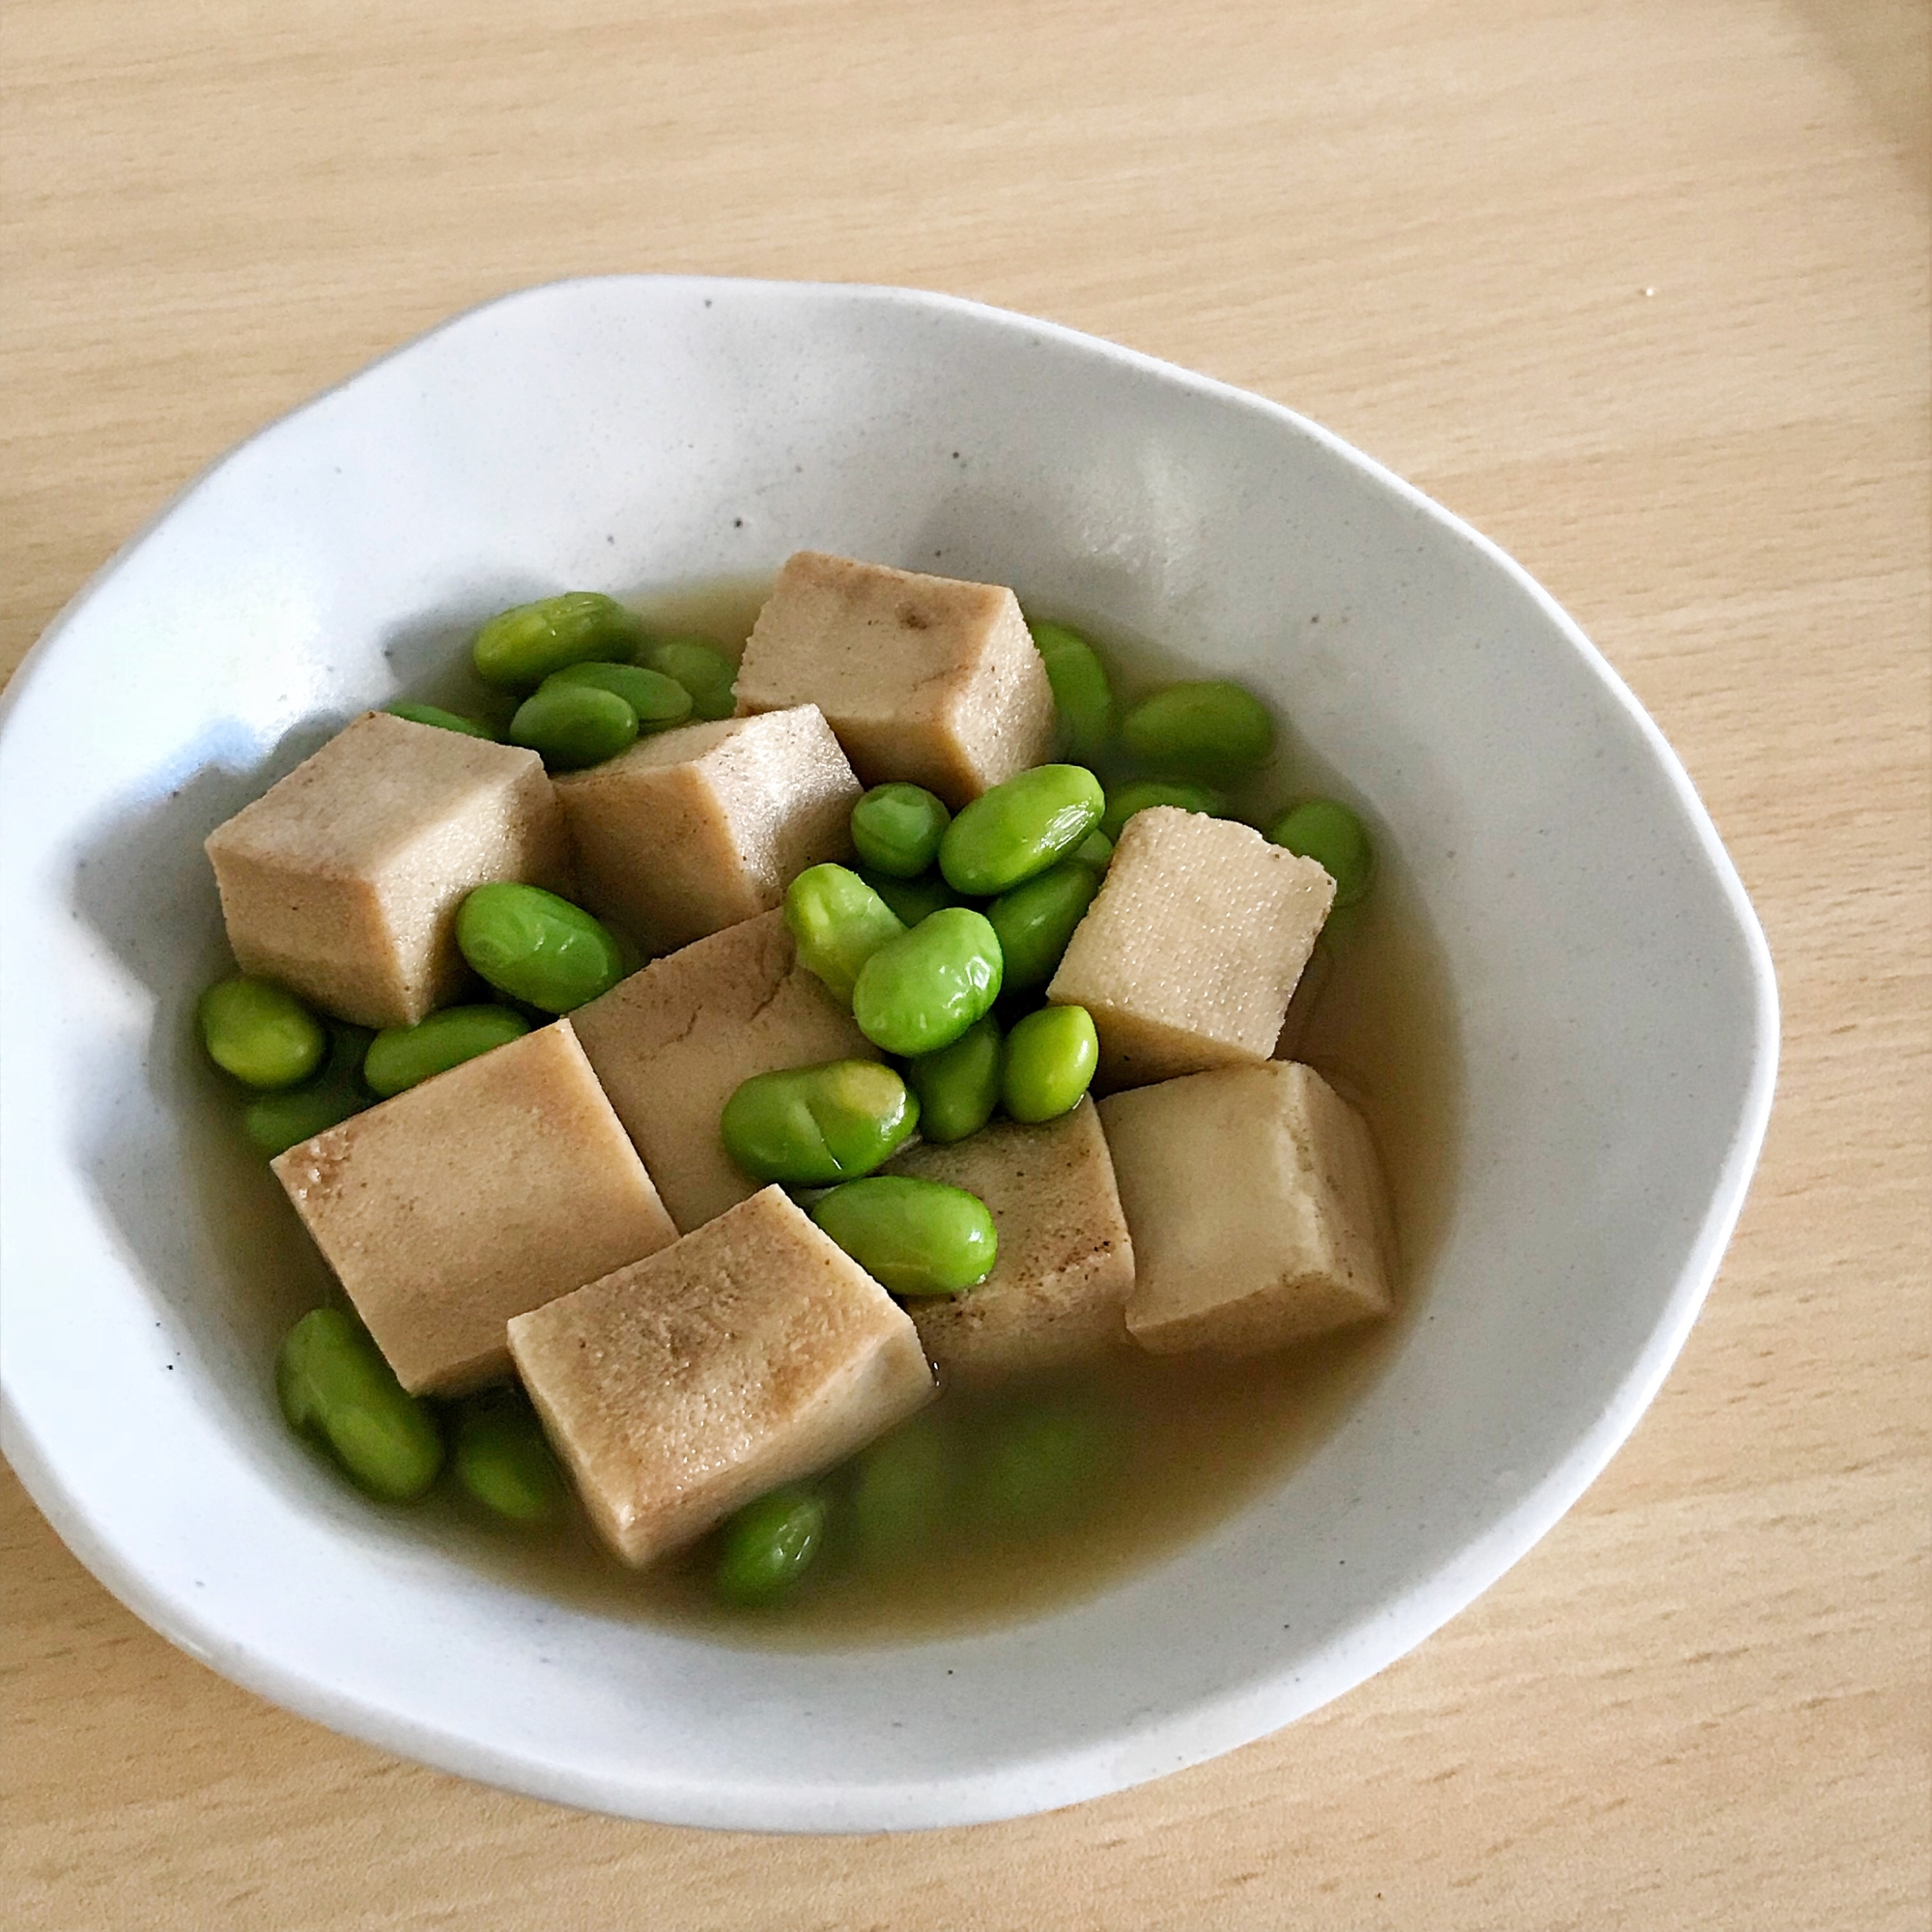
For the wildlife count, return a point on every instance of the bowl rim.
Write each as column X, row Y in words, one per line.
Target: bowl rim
column 1177, row 1740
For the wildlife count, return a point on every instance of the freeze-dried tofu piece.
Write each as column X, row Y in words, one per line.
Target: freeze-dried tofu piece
column 483, row 1192
column 1188, row 956
column 754, row 1352
column 1065, row 1263
column 1257, row 1209
column 672, row 1043
column 343, row 879
column 927, row 679
column 698, row 829
column 1307, row 995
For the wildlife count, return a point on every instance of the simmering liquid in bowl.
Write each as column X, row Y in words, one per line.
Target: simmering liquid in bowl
column 1193, row 1438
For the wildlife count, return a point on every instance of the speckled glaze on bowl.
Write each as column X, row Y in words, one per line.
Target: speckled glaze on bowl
column 1612, row 990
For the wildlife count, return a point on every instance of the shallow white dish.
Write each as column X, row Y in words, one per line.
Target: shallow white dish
column 1612, row 990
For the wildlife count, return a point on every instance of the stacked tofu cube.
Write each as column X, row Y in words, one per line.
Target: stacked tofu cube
column 482, row 1193
column 563, row 1207
column 1250, row 1190
column 680, row 1387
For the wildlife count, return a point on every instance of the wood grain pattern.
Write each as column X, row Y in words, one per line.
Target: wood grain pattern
column 1639, row 287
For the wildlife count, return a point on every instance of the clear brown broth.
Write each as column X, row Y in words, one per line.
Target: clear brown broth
column 1197, row 1436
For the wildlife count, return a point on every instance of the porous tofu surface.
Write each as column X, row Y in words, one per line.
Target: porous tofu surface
column 343, row 879
column 1258, row 1208
column 1059, row 1288
column 694, row 830
column 751, row 1354
column 485, row 1191
column 929, row 679
column 1191, row 950
column 672, row 1043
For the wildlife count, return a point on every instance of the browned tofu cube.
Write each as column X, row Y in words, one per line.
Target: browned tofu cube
column 923, row 678
column 694, row 830
column 1188, row 956
column 1257, row 1209
column 343, row 880
column 751, row 1354
column 485, row 1191
column 672, row 1043
column 1065, row 1265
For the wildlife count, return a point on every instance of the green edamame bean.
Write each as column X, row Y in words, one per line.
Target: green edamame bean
column 274, row 1123
column 260, row 1032
column 912, row 1236
column 518, row 648
column 765, row 1550
column 573, row 724
column 922, row 991
column 902, row 1492
column 1051, row 1057
column 436, row 715
column 1019, row 828
column 836, row 922
column 704, row 670
column 537, row 947
column 660, row 701
column 808, row 1125
column 1326, row 831
column 332, row 1383
column 1209, row 730
column 1097, row 849
column 913, row 899
column 1126, row 800
column 1081, row 694
column 897, row 829
column 402, row 1057
column 1042, row 1466
column 503, row 1458
column 958, row 1087
column 1035, row 921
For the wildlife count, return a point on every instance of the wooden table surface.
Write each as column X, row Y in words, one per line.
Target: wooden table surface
column 1639, row 287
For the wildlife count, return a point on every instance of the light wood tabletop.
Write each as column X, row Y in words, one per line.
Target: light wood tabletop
column 1638, row 287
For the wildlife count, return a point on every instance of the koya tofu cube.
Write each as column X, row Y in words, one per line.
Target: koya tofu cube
column 1066, row 1265
column 754, row 1352
column 343, row 880
column 1188, row 956
column 485, row 1191
column 1257, row 1209
column 923, row 678
column 696, row 829
column 672, row 1043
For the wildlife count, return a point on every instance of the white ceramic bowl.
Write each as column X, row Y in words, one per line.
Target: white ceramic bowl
column 1612, row 990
